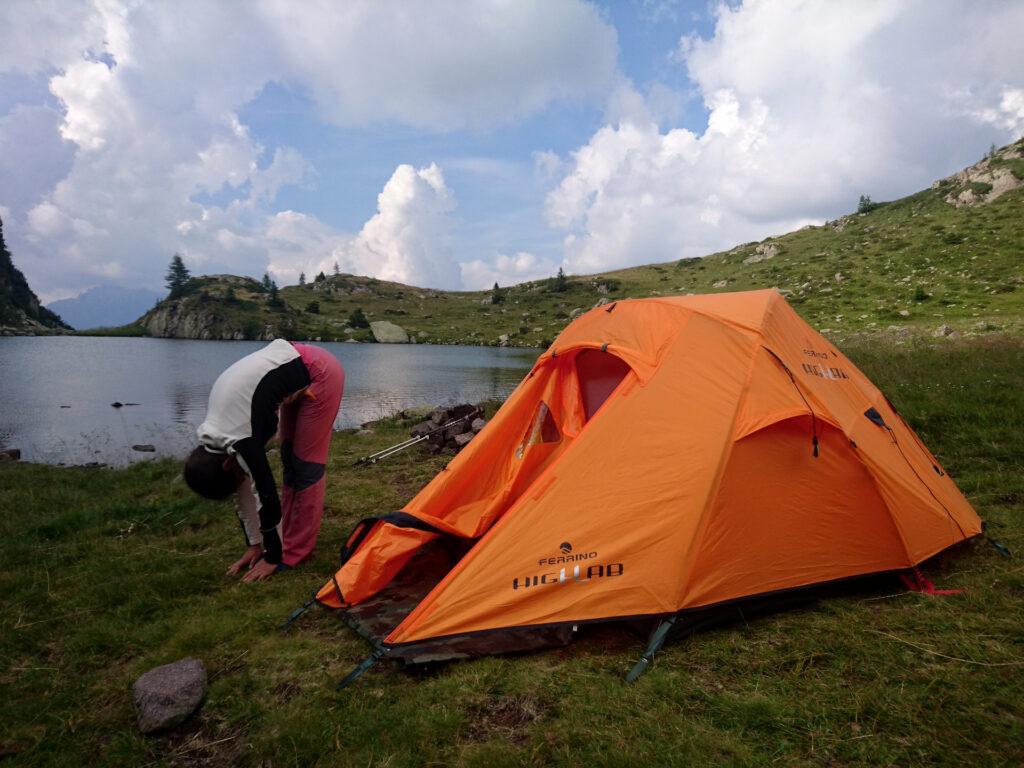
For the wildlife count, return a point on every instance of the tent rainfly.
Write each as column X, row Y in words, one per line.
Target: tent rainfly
column 664, row 456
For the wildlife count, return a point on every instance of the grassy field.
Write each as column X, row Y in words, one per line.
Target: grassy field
column 105, row 573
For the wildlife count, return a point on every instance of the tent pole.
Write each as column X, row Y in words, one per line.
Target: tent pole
column 657, row 640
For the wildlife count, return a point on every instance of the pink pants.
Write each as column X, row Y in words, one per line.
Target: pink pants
column 306, row 427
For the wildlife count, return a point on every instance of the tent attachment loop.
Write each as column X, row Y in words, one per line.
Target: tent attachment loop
column 364, row 665
column 657, row 640
column 920, row 584
column 604, row 347
column 298, row 612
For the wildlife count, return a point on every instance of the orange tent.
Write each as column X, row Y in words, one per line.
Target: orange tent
column 664, row 455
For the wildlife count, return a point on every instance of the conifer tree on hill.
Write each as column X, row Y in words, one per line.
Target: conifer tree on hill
column 177, row 277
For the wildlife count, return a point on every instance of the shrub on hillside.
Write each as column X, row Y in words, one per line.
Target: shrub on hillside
column 357, row 318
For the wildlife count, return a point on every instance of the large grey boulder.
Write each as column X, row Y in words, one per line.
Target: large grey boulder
column 165, row 696
column 388, row 333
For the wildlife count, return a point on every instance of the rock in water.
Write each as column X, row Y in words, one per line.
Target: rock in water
column 10, row 454
column 388, row 333
column 165, row 696
column 144, row 448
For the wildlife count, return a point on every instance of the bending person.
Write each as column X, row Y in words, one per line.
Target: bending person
column 304, row 385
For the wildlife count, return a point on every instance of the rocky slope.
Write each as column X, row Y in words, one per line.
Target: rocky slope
column 20, row 311
column 947, row 260
column 220, row 307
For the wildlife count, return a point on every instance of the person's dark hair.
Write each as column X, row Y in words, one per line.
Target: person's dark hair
column 205, row 474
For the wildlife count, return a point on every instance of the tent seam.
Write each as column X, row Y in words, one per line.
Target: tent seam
column 713, row 491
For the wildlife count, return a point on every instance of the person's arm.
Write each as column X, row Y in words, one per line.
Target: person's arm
column 253, row 460
column 249, row 514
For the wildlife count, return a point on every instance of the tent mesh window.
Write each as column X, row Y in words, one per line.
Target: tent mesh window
column 542, row 430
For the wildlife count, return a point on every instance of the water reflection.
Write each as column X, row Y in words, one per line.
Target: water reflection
column 170, row 380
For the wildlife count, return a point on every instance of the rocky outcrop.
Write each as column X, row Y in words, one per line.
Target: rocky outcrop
column 763, row 251
column 983, row 182
column 176, row 320
column 223, row 307
column 386, row 332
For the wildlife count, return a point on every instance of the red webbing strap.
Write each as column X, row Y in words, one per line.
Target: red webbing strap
column 920, row 584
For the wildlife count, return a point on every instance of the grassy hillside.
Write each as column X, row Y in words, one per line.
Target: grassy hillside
column 105, row 573
column 915, row 263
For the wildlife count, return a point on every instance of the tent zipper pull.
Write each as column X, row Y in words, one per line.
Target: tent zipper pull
column 364, row 665
column 657, row 640
column 298, row 612
column 814, row 442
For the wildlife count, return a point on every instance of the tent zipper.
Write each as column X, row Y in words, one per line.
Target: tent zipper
column 814, row 418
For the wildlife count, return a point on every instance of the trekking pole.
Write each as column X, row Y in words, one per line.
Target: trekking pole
column 384, row 453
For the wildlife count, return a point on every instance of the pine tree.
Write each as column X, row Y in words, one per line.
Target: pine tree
column 337, row 270
column 266, row 282
column 302, row 278
column 320, row 277
column 559, row 283
column 177, row 277
column 497, row 296
column 274, row 299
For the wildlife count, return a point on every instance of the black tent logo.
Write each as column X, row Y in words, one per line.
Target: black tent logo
column 566, row 547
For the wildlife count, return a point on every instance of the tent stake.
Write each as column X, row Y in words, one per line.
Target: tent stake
column 364, row 665
column 298, row 612
column 657, row 640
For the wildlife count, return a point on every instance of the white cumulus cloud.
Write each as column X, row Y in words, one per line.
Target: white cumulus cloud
column 153, row 157
column 505, row 269
column 808, row 105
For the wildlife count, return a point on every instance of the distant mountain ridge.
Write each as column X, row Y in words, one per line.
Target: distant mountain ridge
column 946, row 260
column 105, row 306
column 20, row 311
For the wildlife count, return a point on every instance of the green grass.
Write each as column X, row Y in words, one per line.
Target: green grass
column 105, row 573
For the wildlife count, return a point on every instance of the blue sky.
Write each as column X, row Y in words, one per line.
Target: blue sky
column 451, row 144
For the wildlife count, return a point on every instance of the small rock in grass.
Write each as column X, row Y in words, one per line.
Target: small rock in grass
column 904, row 313
column 165, row 696
column 478, row 424
column 463, row 440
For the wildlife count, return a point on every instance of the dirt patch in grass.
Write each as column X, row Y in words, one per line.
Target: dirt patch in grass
column 200, row 743
column 507, row 718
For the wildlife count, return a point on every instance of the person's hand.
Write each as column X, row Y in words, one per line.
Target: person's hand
column 252, row 554
column 259, row 571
